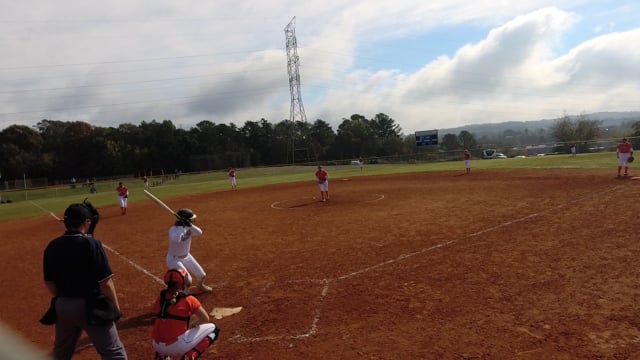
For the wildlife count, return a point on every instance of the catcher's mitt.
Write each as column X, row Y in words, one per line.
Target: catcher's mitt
column 95, row 216
column 630, row 160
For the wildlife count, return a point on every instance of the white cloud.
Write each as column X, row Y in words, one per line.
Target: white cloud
column 225, row 61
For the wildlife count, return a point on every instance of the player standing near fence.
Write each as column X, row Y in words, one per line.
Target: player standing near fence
column 323, row 183
column 623, row 153
column 466, row 156
column 232, row 178
column 123, row 196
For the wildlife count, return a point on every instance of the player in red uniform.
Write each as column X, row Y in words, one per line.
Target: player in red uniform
column 232, row 178
column 624, row 151
column 123, row 196
column 323, row 183
column 466, row 156
column 182, row 328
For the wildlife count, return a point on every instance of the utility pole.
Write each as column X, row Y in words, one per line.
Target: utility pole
column 297, row 113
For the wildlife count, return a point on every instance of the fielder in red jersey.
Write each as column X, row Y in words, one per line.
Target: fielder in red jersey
column 123, row 196
column 323, row 182
column 624, row 151
column 232, row 178
column 466, row 156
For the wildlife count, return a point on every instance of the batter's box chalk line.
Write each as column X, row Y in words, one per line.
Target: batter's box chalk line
column 313, row 328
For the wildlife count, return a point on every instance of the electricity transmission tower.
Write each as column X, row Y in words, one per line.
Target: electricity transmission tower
column 297, row 113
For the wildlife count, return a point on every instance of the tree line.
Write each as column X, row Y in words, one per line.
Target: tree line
column 62, row 149
column 59, row 150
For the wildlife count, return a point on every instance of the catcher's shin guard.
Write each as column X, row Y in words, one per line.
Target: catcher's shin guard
column 195, row 353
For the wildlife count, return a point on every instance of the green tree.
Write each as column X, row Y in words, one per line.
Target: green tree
column 387, row 135
column 68, row 146
column 635, row 136
column 467, row 140
column 581, row 129
column 354, row 138
column 450, row 142
column 283, row 141
column 21, row 149
column 258, row 137
column 322, row 137
column 160, row 138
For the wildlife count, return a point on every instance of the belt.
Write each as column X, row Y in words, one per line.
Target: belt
column 180, row 256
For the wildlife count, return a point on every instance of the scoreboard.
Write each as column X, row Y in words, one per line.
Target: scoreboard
column 427, row 138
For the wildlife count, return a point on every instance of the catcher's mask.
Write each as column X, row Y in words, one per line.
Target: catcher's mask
column 177, row 279
column 186, row 214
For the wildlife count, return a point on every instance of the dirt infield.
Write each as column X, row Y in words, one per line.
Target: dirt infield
column 526, row 264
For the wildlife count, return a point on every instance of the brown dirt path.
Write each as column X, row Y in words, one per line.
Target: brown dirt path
column 523, row 264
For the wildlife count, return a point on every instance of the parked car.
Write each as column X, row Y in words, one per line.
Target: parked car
column 500, row 156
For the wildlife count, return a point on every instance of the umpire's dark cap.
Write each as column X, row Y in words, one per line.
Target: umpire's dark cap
column 75, row 215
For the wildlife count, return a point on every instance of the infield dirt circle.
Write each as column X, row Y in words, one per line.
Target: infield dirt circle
column 526, row 264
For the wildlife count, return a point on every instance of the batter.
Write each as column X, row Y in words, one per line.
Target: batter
column 178, row 255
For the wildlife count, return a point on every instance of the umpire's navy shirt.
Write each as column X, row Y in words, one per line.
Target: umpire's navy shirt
column 76, row 263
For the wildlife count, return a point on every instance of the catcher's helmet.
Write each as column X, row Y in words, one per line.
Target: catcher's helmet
column 630, row 160
column 186, row 214
column 177, row 279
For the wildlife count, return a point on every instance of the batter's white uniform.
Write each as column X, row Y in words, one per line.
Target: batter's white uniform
column 178, row 255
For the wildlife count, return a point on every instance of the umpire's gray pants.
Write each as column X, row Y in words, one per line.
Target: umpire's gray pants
column 71, row 320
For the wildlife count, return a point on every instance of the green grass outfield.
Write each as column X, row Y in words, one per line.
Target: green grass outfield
column 53, row 200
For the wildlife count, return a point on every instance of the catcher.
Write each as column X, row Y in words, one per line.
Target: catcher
column 323, row 183
column 178, row 255
column 182, row 328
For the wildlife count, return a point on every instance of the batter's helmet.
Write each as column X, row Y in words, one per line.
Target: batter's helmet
column 177, row 279
column 186, row 214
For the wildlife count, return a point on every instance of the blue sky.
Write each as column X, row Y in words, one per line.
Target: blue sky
column 427, row 64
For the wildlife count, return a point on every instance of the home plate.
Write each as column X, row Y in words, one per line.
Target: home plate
column 219, row 313
column 635, row 178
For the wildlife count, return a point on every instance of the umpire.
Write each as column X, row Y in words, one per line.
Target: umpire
column 76, row 272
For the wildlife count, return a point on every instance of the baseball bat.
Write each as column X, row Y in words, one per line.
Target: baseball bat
column 159, row 202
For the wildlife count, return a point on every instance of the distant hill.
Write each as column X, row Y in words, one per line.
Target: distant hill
column 609, row 120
